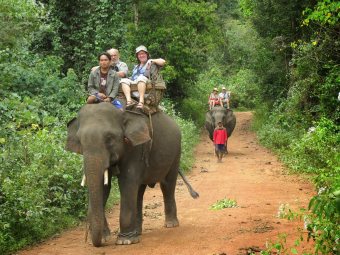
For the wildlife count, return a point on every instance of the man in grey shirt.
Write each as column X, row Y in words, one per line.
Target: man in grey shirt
column 120, row 67
column 225, row 97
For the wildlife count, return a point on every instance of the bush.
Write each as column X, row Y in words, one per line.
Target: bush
column 317, row 153
column 317, row 150
column 190, row 135
column 40, row 192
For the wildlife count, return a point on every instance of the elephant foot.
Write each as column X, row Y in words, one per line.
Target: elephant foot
column 127, row 240
column 139, row 231
column 171, row 223
column 106, row 234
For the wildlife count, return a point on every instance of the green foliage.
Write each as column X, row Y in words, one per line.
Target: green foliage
column 274, row 17
column 325, row 12
column 193, row 108
column 19, row 18
column 324, row 221
column 273, row 129
column 224, row 203
column 32, row 140
column 190, row 135
column 35, row 107
column 280, row 246
column 244, row 88
column 246, row 7
column 185, row 44
column 36, row 158
column 83, row 29
column 317, row 150
column 308, row 101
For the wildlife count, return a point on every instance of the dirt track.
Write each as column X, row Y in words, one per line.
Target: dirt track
column 249, row 174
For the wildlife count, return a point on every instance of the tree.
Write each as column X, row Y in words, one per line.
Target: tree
column 182, row 32
column 19, row 18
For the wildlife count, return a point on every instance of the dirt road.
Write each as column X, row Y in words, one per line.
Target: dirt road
column 249, row 174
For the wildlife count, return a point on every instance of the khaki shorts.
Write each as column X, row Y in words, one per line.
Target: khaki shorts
column 139, row 78
column 128, row 82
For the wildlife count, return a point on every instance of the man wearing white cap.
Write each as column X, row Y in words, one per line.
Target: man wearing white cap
column 225, row 97
column 140, row 75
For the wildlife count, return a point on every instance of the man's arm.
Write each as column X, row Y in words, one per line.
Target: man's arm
column 90, row 85
column 114, row 91
column 158, row 61
column 123, row 70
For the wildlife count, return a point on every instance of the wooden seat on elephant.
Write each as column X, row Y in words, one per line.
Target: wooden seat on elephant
column 154, row 92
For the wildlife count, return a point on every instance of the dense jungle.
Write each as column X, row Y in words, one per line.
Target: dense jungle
column 279, row 59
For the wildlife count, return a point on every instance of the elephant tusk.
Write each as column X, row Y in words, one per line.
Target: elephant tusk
column 83, row 181
column 106, row 177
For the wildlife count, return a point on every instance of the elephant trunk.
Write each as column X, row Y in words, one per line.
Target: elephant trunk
column 94, row 171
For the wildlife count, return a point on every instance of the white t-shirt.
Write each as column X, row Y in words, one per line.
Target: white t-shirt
column 224, row 96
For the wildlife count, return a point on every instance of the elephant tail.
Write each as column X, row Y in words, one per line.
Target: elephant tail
column 192, row 192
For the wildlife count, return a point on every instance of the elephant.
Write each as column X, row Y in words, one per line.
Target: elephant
column 138, row 150
column 217, row 114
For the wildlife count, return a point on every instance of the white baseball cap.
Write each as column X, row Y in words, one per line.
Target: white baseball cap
column 141, row 48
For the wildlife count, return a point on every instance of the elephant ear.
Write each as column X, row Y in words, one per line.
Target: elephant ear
column 209, row 125
column 136, row 128
column 230, row 122
column 72, row 142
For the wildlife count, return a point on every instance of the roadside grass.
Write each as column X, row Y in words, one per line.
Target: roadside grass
column 313, row 152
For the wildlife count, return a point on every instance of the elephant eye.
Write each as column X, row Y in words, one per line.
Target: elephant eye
column 112, row 139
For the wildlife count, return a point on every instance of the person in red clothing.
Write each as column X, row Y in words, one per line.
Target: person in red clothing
column 220, row 138
column 214, row 99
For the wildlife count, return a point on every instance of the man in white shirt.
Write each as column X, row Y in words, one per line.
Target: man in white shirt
column 225, row 97
column 120, row 67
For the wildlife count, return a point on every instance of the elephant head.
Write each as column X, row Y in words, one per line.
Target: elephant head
column 217, row 114
column 101, row 133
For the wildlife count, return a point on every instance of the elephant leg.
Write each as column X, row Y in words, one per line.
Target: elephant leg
column 168, row 190
column 128, row 212
column 139, row 221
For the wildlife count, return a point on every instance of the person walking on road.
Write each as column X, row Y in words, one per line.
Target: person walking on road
column 220, row 138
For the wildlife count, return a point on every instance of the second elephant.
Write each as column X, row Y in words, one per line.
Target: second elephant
column 220, row 114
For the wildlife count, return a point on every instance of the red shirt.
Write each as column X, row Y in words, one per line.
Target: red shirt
column 220, row 136
column 214, row 97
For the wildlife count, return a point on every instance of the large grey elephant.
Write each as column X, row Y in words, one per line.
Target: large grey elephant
column 139, row 152
column 217, row 114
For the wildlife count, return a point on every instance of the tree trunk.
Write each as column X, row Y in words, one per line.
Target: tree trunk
column 135, row 9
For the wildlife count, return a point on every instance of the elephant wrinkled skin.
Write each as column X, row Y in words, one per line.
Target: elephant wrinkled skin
column 138, row 152
column 217, row 114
